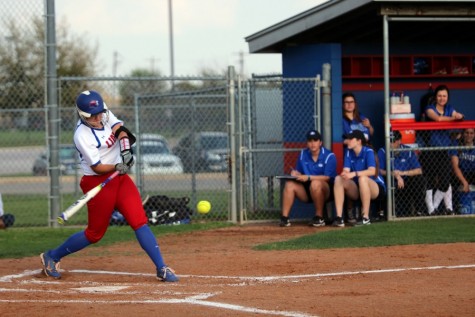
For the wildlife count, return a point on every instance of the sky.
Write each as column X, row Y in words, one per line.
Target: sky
column 207, row 34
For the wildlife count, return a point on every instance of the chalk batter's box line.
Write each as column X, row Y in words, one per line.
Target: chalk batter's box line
column 200, row 299
column 9, row 278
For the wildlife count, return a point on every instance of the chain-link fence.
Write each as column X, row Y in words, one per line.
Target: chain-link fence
column 182, row 131
column 219, row 139
column 275, row 115
column 432, row 180
column 22, row 117
column 184, row 149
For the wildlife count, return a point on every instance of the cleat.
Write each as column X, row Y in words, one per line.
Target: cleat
column 50, row 267
column 166, row 274
column 284, row 222
column 317, row 221
column 364, row 221
column 338, row 222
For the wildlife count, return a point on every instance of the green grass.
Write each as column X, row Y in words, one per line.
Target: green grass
column 32, row 210
column 14, row 138
column 428, row 231
column 24, row 242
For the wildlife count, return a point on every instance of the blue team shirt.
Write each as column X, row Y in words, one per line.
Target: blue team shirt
column 349, row 126
column 362, row 162
column 466, row 159
column 404, row 161
column 441, row 137
column 325, row 164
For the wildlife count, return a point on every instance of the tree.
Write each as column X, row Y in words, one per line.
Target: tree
column 146, row 82
column 209, row 81
column 22, row 64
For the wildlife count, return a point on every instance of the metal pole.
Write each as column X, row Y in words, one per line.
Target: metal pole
column 317, row 103
column 172, row 57
column 327, row 111
column 386, row 116
column 52, row 113
column 232, row 140
column 249, row 157
column 241, row 208
column 139, row 166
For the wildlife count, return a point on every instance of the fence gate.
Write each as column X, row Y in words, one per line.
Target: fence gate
column 273, row 116
column 194, row 155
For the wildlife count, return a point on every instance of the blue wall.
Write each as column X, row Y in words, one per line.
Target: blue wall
column 306, row 61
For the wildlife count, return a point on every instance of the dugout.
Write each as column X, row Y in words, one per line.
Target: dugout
column 376, row 48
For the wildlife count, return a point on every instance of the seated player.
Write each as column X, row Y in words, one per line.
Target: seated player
column 410, row 185
column 463, row 162
column 315, row 172
column 359, row 179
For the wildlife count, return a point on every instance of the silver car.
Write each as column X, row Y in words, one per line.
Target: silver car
column 155, row 157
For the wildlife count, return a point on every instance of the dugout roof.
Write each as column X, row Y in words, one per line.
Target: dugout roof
column 360, row 21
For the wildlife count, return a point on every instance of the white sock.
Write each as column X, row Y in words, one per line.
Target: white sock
column 448, row 198
column 429, row 203
column 438, row 197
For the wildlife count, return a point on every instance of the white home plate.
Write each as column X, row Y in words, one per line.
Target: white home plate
column 100, row 289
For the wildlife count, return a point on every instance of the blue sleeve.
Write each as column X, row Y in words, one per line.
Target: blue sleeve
column 413, row 162
column 448, row 110
column 300, row 166
column 330, row 167
column 370, row 161
column 430, row 107
column 453, row 153
column 382, row 158
column 347, row 160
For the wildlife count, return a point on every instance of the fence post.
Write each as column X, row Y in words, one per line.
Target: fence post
column 52, row 114
column 327, row 104
column 232, row 140
column 139, row 165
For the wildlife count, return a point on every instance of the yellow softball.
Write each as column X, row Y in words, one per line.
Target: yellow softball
column 203, row 206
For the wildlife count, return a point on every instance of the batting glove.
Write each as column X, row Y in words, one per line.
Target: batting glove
column 122, row 168
column 128, row 158
column 126, row 152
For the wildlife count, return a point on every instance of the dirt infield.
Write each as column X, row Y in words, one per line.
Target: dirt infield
column 222, row 276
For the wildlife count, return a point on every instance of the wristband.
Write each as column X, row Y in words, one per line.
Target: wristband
column 124, row 144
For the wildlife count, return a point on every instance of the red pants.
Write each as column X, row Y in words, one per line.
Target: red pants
column 119, row 194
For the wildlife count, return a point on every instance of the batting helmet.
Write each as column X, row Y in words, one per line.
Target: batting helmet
column 89, row 103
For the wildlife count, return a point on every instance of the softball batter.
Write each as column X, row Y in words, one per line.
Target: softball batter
column 104, row 146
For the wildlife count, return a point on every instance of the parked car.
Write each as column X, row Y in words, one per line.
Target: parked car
column 154, row 137
column 157, row 158
column 68, row 160
column 204, row 151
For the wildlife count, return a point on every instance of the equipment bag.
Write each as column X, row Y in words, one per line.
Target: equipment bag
column 161, row 209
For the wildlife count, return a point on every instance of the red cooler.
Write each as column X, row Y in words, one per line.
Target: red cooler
column 408, row 136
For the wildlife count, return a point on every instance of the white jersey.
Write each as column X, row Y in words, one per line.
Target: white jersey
column 97, row 145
